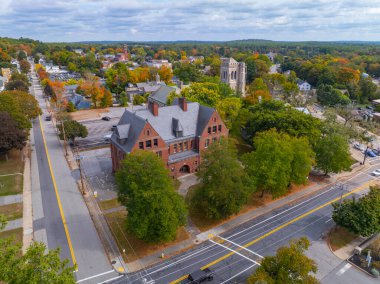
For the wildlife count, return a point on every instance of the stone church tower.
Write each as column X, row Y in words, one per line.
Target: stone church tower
column 234, row 74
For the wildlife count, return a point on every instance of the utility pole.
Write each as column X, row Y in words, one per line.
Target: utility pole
column 78, row 159
column 365, row 152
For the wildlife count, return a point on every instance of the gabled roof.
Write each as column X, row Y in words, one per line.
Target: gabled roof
column 161, row 95
column 228, row 60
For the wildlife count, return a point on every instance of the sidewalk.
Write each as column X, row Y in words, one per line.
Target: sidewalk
column 27, row 220
column 9, row 199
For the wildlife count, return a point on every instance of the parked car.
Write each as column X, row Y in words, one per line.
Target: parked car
column 370, row 153
column 376, row 173
column 106, row 118
column 113, row 127
column 107, row 138
column 369, row 107
column 48, row 118
column 200, row 276
column 359, row 147
column 377, row 152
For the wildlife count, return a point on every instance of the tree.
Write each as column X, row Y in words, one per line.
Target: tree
column 155, row 210
column 187, row 73
column 27, row 103
column 106, row 99
column 303, row 160
column 10, row 104
column 327, row 95
column 18, row 81
column 138, row 100
column 269, row 166
column 290, row 265
column 73, row 129
column 35, row 266
column 228, row 109
column 361, row 216
column 256, row 67
column 166, row 74
column 368, row 90
column 224, row 185
column 333, row 153
column 24, row 66
column 11, row 137
column 257, row 90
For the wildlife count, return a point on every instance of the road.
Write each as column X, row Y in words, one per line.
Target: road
column 261, row 236
column 64, row 215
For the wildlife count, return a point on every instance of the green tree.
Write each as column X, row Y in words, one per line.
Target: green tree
column 27, row 103
column 138, row 100
column 327, row 95
column 333, row 153
column 368, row 90
column 18, row 81
column 72, row 129
column 228, row 109
column 11, row 137
column 155, row 210
column 290, row 265
column 35, row 266
column 187, row 73
column 10, row 104
column 270, row 165
column 303, row 160
column 224, row 185
column 203, row 93
column 24, row 66
column 361, row 216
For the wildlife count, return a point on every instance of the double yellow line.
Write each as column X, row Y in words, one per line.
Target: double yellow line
column 363, row 186
column 57, row 196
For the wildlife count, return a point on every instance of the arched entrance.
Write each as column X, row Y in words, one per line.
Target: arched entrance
column 184, row 169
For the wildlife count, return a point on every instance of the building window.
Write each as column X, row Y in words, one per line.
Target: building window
column 159, row 153
column 214, row 129
column 180, row 147
column 220, row 127
column 207, row 142
column 214, row 119
column 209, row 130
column 148, row 143
column 175, row 148
column 148, row 132
column 141, row 145
column 192, row 144
column 196, row 163
column 155, row 142
column 185, row 146
column 213, row 139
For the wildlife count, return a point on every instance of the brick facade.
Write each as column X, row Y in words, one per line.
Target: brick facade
column 181, row 155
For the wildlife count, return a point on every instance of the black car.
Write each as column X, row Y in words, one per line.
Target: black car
column 200, row 276
column 113, row 127
column 106, row 118
column 48, row 118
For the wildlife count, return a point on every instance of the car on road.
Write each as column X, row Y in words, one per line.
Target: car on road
column 377, row 152
column 107, row 138
column 106, row 118
column 200, row 276
column 376, row 173
column 113, row 127
column 48, row 118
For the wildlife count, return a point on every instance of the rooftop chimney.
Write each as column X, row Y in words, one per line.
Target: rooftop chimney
column 153, row 107
column 182, row 103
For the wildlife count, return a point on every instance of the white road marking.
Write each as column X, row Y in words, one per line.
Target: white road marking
column 330, row 219
column 240, row 246
column 343, row 269
column 94, row 276
column 239, row 273
column 108, row 280
column 238, row 253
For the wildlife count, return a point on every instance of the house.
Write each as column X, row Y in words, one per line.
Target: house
column 161, row 95
column 77, row 100
column 143, row 88
column 159, row 63
column 375, row 102
column 271, row 55
column 50, row 68
column 178, row 134
column 303, row 85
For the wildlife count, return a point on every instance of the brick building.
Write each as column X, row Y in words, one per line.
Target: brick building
column 176, row 133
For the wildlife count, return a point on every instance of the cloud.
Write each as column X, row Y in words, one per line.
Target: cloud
column 76, row 20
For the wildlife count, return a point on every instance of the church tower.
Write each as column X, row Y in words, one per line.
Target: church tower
column 234, row 74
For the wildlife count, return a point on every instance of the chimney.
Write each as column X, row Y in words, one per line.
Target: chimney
column 182, row 103
column 153, row 107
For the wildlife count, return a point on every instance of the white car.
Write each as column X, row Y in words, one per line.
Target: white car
column 359, row 147
column 376, row 173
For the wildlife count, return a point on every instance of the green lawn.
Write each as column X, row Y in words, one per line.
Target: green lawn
column 16, row 234
column 11, row 211
column 11, row 184
column 108, row 204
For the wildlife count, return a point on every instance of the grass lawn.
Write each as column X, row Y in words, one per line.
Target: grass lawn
column 124, row 240
column 16, row 234
column 11, row 211
column 339, row 237
column 11, row 184
column 108, row 204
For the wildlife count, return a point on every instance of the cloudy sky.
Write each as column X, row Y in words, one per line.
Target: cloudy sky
column 145, row 20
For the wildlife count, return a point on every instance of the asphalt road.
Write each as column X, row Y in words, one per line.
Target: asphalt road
column 262, row 236
column 51, row 221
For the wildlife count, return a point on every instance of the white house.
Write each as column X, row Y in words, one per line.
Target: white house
column 303, row 86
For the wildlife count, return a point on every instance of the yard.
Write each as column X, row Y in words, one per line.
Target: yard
column 16, row 234
column 11, row 211
column 135, row 248
column 339, row 237
column 11, row 179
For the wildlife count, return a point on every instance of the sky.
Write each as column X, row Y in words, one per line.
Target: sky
column 219, row 20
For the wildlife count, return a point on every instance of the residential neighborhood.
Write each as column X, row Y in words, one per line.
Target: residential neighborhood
column 226, row 142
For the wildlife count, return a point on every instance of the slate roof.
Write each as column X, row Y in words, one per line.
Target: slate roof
column 161, row 95
column 170, row 119
column 150, row 86
column 123, row 130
